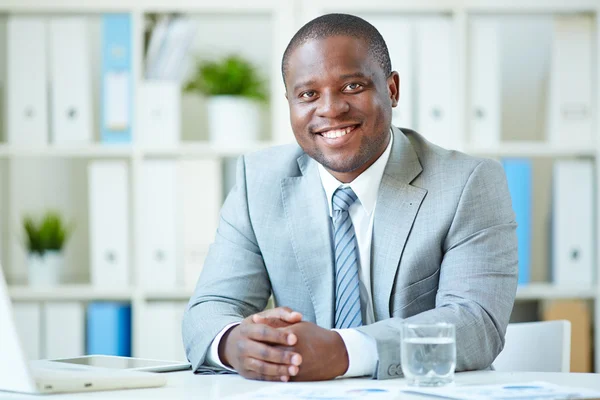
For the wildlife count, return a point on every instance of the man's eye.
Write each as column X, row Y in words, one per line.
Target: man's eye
column 308, row 95
column 353, row 86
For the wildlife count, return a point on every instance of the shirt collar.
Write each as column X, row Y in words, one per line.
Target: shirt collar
column 366, row 185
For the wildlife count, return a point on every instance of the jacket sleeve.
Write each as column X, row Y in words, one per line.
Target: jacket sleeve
column 478, row 277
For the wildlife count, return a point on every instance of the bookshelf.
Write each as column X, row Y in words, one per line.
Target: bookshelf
column 283, row 19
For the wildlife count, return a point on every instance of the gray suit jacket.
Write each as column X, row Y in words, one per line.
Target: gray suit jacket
column 444, row 249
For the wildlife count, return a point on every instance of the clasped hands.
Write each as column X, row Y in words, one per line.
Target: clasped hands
column 275, row 345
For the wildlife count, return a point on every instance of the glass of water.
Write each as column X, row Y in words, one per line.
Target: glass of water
column 428, row 353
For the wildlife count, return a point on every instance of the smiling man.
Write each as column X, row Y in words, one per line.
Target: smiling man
column 359, row 228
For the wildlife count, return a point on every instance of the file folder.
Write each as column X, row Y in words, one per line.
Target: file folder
column 571, row 81
column 163, row 320
column 200, row 193
column 64, row 329
column 109, row 223
column 71, row 91
column 579, row 314
column 398, row 35
column 26, row 100
column 436, row 79
column 519, row 177
column 160, row 114
column 117, row 78
column 109, row 329
column 158, row 208
column 28, row 321
column 572, row 227
column 485, row 76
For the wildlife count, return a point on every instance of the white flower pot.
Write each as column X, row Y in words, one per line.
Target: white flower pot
column 45, row 270
column 233, row 120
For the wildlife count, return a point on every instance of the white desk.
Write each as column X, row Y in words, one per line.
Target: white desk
column 185, row 385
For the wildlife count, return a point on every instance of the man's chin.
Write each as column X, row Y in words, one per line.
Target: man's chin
column 340, row 166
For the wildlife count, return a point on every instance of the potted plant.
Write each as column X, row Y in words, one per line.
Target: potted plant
column 235, row 93
column 45, row 240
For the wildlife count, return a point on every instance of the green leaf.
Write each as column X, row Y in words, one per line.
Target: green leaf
column 232, row 76
column 50, row 233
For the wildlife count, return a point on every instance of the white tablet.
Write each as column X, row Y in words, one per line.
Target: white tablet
column 130, row 363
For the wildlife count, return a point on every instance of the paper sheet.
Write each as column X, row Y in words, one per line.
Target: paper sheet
column 297, row 392
column 529, row 390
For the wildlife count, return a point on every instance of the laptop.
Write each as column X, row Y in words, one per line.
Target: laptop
column 45, row 376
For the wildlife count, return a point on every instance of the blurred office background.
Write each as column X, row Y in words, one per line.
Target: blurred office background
column 122, row 121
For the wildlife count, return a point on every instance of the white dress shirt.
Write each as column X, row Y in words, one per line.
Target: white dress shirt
column 362, row 349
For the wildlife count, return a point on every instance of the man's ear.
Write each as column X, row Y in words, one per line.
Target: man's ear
column 393, row 84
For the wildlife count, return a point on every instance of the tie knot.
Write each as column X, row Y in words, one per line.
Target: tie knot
column 343, row 199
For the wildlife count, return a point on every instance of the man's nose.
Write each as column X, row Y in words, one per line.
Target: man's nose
column 332, row 105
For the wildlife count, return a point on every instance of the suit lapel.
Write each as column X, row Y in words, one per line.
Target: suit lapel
column 397, row 206
column 308, row 225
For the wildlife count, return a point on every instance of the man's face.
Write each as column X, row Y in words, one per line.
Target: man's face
column 340, row 104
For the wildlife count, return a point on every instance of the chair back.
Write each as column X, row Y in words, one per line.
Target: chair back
column 543, row 346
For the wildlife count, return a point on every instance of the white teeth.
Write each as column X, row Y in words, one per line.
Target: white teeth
column 336, row 133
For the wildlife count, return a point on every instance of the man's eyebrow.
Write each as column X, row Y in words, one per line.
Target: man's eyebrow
column 304, row 84
column 354, row 75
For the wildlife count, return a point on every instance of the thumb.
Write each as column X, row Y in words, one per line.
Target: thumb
column 282, row 313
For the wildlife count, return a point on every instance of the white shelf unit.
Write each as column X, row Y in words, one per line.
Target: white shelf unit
column 84, row 292
column 288, row 16
column 548, row 291
column 74, row 292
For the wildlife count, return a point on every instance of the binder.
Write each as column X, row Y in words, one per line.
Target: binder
column 179, row 38
column 571, row 81
column 117, row 98
column 64, row 333
column 229, row 174
column 519, row 177
column 485, row 75
column 572, row 227
column 156, row 45
column 434, row 50
column 579, row 314
column 71, row 92
column 200, row 193
column 158, row 208
column 160, row 114
column 162, row 322
column 109, row 329
column 398, row 35
column 28, row 320
column 26, row 98
column 109, row 223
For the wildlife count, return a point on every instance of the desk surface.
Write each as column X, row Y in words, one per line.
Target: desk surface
column 185, row 385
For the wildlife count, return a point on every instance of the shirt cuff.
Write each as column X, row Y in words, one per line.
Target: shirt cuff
column 362, row 352
column 212, row 356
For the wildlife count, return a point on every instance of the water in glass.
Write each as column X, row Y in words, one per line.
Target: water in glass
column 429, row 360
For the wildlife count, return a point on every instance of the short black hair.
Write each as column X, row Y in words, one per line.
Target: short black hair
column 340, row 25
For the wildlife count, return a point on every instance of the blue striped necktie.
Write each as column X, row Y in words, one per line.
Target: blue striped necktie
column 347, row 291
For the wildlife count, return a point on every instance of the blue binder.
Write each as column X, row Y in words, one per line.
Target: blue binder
column 117, row 89
column 519, row 176
column 109, row 329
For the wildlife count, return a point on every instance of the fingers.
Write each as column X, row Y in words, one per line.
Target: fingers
column 272, row 322
column 265, row 362
column 268, row 334
column 268, row 371
column 271, row 354
column 283, row 313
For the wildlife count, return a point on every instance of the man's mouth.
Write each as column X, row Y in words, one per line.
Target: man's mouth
column 337, row 132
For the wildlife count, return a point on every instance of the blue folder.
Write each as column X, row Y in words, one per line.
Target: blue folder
column 519, row 176
column 109, row 329
column 117, row 102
